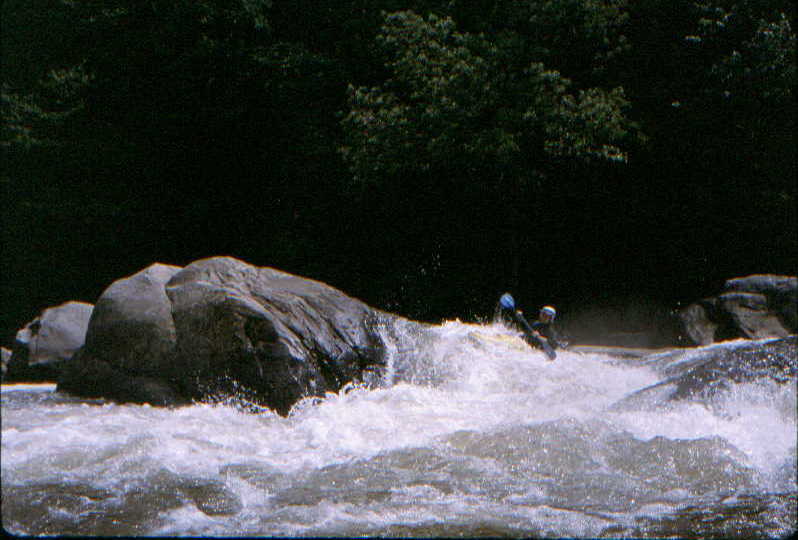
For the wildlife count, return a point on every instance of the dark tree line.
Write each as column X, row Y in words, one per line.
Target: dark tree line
column 424, row 156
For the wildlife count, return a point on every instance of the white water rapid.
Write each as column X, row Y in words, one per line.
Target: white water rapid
column 473, row 434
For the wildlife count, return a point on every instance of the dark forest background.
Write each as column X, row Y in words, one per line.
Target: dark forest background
column 424, row 156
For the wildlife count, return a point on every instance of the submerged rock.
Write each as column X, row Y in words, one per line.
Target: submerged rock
column 699, row 374
column 170, row 335
column 44, row 345
column 753, row 307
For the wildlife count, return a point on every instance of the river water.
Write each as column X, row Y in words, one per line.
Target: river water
column 471, row 434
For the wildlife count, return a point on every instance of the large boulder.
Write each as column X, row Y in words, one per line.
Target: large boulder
column 751, row 307
column 44, row 345
column 130, row 342
column 220, row 326
column 780, row 293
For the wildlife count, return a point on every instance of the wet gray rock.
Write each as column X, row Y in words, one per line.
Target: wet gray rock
column 47, row 343
column 780, row 293
column 5, row 356
column 699, row 374
column 220, row 326
column 699, row 328
column 753, row 307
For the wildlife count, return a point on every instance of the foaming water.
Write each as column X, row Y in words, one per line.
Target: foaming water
column 473, row 433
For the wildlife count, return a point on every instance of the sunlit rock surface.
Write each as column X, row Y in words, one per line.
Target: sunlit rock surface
column 46, row 343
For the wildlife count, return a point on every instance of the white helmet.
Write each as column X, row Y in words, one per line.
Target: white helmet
column 549, row 311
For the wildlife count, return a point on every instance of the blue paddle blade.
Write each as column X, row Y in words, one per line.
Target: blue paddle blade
column 507, row 301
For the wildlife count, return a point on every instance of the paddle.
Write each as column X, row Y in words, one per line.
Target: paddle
column 508, row 302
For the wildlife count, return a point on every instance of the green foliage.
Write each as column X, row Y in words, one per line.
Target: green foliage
column 138, row 71
column 583, row 39
column 753, row 47
column 28, row 122
column 462, row 97
column 189, row 127
column 766, row 61
column 586, row 125
column 750, row 82
column 20, row 113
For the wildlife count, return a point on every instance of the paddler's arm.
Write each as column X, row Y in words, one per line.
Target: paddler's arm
column 522, row 322
column 533, row 335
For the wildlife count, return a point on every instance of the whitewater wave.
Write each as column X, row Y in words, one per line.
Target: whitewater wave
column 471, row 432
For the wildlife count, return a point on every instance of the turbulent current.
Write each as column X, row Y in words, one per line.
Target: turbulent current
column 472, row 433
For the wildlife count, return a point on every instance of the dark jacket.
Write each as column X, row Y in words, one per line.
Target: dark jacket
column 544, row 329
column 547, row 331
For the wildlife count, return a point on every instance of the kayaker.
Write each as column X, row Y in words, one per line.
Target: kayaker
column 541, row 333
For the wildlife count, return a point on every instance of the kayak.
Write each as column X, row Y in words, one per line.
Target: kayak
column 512, row 341
column 508, row 340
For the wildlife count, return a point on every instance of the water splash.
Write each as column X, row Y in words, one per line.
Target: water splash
column 471, row 432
